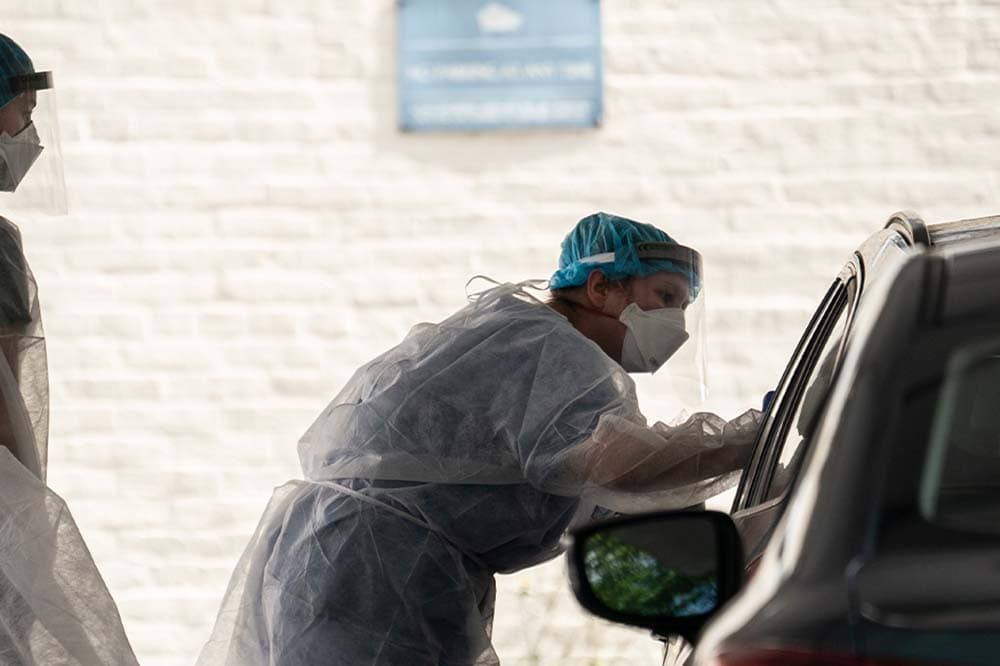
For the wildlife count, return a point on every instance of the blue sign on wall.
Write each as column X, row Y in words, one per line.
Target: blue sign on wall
column 485, row 64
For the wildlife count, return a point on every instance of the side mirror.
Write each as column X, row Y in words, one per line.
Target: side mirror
column 667, row 572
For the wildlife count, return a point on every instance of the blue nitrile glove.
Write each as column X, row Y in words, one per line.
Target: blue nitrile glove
column 768, row 399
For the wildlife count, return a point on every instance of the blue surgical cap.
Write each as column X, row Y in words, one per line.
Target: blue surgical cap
column 14, row 62
column 605, row 234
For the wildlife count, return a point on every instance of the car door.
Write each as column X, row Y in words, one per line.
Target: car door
column 784, row 435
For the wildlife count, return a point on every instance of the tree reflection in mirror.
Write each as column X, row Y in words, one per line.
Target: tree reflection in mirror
column 648, row 570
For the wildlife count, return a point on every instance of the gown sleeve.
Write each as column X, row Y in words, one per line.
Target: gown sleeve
column 583, row 435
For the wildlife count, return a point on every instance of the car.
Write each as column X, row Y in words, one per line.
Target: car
column 868, row 517
column 785, row 433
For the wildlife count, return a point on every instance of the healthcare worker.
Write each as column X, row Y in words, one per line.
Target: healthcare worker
column 467, row 450
column 54, row 605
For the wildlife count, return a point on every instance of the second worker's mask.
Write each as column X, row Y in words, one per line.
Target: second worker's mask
column 17, row 154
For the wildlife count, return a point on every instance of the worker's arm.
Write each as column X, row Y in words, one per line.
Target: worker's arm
column 628, row 466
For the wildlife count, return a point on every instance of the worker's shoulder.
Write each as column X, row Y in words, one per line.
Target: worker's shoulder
column 533, row 318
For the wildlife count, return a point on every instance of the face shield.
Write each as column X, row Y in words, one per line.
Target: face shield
column 681, row 332
column 31, row 169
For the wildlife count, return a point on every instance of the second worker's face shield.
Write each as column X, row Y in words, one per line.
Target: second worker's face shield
column 31, row 165
column 677, row 282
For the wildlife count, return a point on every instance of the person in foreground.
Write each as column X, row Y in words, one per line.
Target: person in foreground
column 54, row 605
column 467, row 450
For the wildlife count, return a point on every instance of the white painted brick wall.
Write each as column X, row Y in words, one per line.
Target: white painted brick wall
column 248, row 226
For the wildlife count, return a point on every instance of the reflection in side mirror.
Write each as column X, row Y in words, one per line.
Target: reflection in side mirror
column 630, row 570
column 666, row 572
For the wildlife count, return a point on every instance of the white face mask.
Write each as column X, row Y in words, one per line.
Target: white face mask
column 17, row 154
column 652, row 337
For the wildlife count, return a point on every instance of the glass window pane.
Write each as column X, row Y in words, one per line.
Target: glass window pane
column 961, row 479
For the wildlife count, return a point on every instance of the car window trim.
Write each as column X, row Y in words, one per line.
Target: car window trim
column 842, row 294
column 771, row 466
column 808, row 365
column 764, row 437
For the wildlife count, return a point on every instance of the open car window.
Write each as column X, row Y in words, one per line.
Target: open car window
column 816, row 385
column 801, row 392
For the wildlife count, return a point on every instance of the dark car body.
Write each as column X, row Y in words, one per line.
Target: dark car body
column 849, row 558
column 785, row 434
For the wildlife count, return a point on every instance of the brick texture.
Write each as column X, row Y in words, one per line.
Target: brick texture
column 248, row 226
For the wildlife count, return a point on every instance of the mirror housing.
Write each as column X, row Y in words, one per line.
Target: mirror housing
column 668, row 571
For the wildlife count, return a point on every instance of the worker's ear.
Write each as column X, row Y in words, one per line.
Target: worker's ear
column 597, row 288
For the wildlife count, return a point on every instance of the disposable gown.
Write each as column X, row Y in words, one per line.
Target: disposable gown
column 464, row 451
column 54, row 606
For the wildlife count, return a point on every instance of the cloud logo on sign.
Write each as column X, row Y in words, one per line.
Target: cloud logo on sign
column 497, row 18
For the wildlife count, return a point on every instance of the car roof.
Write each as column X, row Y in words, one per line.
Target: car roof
column 970, row 252
column 915, row 231
column 977, row 228
column 905, row 233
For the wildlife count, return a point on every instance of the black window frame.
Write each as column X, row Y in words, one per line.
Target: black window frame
column 843, row 295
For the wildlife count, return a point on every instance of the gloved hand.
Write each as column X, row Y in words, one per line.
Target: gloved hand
column 768, row 399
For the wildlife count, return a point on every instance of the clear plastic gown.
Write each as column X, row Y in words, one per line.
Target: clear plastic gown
column 55, row 609
column 466, row 450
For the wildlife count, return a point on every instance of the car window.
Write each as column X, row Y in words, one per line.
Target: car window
column 813, row 393
column 960, row 487
column 826, row 323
